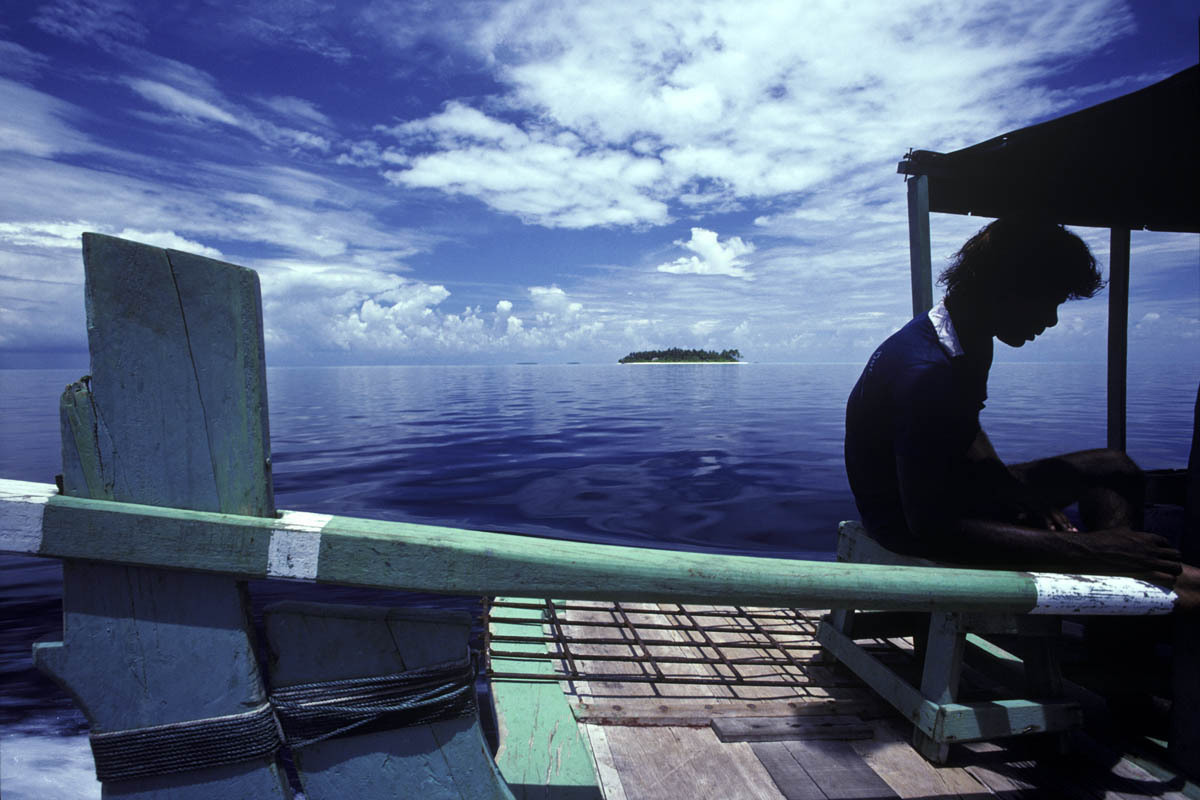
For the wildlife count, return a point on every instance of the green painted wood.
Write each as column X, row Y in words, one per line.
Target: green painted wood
column 882, row 679
column 447, row 760
column 145, row 646
column 542, row 754
column 940, row 675
column 937, row 719
column 974, row 722
column 384, row 554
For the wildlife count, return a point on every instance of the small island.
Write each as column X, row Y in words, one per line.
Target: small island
column 678, row 356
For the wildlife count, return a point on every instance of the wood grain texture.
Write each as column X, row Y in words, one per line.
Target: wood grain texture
column 446, row 760
column 837, row 770
column 542, row 754
column 146, row 646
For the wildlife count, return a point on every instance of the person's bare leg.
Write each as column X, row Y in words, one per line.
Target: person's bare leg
column 1107, row 484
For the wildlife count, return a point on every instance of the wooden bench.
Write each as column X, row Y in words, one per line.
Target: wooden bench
column 937, row 717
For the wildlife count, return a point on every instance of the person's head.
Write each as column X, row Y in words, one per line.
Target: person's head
column 1014, row 273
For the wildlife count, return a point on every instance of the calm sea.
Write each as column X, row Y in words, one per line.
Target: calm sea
column 722, row 458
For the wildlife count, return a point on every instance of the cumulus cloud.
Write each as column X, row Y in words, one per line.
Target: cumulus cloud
column 712, row 257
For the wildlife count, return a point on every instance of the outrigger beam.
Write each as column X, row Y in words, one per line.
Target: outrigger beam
column 35, row 520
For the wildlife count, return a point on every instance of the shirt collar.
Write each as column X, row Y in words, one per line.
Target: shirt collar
column 939, row 315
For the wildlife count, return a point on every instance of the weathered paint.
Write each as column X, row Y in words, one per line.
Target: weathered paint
column 147, row 647
column 22, row 528
column 397, row 555
column 445, row 760
column 542, row 754
column 1099, row 594
column 295, row 547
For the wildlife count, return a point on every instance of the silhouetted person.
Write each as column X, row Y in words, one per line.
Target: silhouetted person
column 926, row 479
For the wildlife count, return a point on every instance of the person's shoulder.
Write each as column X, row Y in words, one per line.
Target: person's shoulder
column 915, row 345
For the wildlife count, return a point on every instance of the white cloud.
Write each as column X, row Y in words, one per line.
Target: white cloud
column 539, row 175
column 712, row 257
column 37, row 124
column 19, row 61
column 68, row 235
column 181, row 102
column 298, row 108
column 612, row 108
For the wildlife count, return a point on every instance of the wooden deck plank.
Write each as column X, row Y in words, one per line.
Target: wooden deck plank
column 793, row 782
column 893, row 759
column 647, row 739
column 838, row 770
column 674, row 763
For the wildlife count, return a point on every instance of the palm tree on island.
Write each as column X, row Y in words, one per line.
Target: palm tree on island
column 676, row 355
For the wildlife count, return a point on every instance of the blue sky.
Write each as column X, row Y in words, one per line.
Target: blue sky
column 477, row 182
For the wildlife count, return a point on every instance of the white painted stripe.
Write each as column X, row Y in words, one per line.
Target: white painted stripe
column 1099, row 594
column 296, row 545
column 22, row 506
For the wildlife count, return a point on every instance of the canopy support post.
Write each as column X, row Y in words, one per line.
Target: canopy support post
column 918, row 244
column 1118, row 335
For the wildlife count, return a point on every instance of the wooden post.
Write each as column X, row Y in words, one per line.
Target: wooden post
column 1118, row 330
column 920, row 259
column 174, row 414
column 940, row 676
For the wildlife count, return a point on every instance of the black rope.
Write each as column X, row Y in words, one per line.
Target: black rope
column 313, row 712
column 183, row 746
column 300, row 715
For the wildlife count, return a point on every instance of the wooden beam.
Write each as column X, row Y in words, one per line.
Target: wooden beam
column 1118, row 334
column 918, row 244
column 398, row 555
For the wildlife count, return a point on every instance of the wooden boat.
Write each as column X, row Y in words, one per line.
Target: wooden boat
column 649, row 674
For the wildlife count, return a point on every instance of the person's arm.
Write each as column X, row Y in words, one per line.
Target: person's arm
column 1007, row 496
column 950, row 480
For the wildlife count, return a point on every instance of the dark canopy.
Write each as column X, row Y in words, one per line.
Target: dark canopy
column 1127, row 163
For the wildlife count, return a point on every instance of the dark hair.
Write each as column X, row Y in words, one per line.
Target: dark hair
column 1023, row 254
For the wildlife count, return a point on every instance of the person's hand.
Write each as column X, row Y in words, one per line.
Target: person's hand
column 1122, row 551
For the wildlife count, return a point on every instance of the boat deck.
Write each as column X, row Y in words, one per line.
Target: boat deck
column 728, row 702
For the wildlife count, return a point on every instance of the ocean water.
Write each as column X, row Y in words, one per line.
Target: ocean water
column 721, row 458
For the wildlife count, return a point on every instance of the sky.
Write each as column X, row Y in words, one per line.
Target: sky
column 489, row 182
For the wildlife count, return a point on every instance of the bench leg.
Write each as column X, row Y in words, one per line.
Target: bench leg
column 940, row 676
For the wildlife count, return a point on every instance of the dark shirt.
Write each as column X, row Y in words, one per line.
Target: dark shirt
column 914, row 412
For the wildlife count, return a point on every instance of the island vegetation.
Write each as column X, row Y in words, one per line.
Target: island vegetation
column 677, row 355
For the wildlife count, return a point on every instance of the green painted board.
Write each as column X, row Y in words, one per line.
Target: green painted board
column 542, row 754
column 397, row 555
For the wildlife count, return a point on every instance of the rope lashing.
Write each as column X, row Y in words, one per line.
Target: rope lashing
column 313, row 712
column 184, row 746
column 299, row 715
